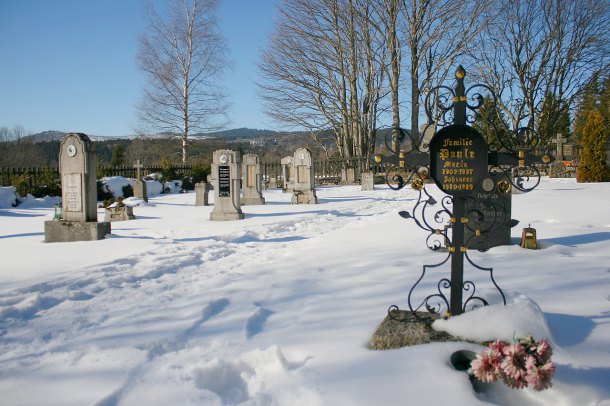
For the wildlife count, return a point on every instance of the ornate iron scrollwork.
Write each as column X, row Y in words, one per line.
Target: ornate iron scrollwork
column 510, row 157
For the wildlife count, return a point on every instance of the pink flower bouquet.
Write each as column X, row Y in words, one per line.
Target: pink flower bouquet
column 522, row 363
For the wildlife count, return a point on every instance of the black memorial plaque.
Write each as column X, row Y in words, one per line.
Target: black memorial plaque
column 458, row 159
column 224, row 181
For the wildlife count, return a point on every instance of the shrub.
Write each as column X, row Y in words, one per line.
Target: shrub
column 167, row 171
column 48, row 185
column 21, row 184
column 127, row 191
column 102, row 191
column 200, row 171
column 593, row 166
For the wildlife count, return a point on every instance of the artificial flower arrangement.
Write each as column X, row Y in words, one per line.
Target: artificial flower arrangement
column 522, row 363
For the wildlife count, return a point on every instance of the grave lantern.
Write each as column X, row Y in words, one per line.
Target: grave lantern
column 57, row 212
column 528, row 238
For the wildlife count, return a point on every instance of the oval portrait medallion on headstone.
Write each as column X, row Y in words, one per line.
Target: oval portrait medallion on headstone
column 488, row 184
column 71, row 150
column 458, row 159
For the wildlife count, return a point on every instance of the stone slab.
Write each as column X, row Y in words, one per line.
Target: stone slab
column 405, row 329
column 69, row 231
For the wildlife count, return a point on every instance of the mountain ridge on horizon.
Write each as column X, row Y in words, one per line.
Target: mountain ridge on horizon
column 234, row 133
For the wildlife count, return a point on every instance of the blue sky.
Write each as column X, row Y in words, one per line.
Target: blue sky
column 70, row 65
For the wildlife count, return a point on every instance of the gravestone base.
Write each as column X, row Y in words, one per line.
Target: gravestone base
column 405, row 329
column 221, row 216
column 120, row 213
column 252, row 201
column 69, row 231
column 304, row 197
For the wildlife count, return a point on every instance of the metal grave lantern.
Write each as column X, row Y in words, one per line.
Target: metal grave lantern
column 528, row 238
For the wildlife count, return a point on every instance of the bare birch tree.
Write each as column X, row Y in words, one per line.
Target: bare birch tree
column 183, row 56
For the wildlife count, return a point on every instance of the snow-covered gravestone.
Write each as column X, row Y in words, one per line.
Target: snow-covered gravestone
column 303, row 183
column 287, row 173
column 226, row 178
column 251, row 181
column 77, row 167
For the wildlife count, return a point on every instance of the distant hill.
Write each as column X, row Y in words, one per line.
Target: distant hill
column 47, row 136
column 236, row 134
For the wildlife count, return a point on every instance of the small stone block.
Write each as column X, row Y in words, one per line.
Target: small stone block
column 120, row 213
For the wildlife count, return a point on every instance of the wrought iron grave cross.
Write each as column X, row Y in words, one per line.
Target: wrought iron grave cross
column 460, row 161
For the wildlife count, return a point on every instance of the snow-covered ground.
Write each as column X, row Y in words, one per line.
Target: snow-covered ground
column 278, row 309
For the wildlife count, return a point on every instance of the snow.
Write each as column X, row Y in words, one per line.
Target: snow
column 278, row 309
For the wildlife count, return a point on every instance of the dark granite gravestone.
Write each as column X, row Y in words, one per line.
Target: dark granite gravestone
column 490, row 212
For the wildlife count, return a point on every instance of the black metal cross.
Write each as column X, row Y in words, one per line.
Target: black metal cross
column 457, row 158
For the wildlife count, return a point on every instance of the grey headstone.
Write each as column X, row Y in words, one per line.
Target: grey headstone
column 139, row 188
column 287, row 173
column 348, row 176
column 226, row 179
column 303, row 190
column 251, row 181
column 202, row 190
column 77, row 167
column 367, row 180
